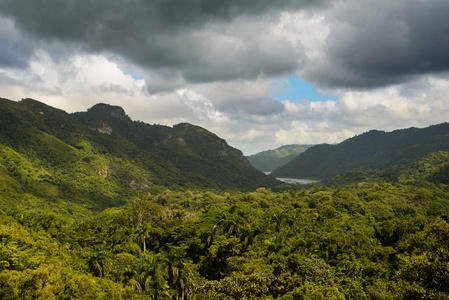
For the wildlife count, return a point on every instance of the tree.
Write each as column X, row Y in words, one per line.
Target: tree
column 177, row 269
column 151, row 275
column 99, row 262
column 143, row 232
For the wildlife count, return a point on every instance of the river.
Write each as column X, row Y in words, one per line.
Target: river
column 294, row 180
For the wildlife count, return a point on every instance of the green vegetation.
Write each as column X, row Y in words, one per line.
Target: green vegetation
column 378, row 241
column 90, row 212
column 102, row 156
column 433, row 167
column 372, row 150
column 201, row 157
column 269, row 160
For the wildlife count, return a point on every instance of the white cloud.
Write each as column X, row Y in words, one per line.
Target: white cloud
column 227, row 108
column 218, row 75
column 354, row 113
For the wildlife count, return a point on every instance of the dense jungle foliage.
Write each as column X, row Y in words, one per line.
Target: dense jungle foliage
column 371, row 241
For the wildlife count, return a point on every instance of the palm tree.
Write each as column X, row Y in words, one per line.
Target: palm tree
column 230, row 223
column 177, row 269
column 99, row 262
column 277, row 243
column 207, row 237
column 143, row 232
column 152, row 275
column 128, row 277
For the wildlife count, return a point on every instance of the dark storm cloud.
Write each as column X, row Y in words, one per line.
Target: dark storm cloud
column 12, row 55
column 74, row 19
column 157, row 34
column 14, row 52
column 377, row 43
column 370, row 43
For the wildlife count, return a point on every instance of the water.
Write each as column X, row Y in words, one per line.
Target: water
column 294, row 180
column 297, row 180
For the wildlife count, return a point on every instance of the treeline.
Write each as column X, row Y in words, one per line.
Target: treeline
column 375, row 241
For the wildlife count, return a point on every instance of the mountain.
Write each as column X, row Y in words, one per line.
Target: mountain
column 270, row 160
column 433, row 167
column 371, row 150
column 100, row 157
column 187, row 147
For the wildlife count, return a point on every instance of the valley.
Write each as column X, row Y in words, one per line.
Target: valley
column 94, row 205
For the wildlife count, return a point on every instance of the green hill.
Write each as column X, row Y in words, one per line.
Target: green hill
column 433, row 167
column 101, row 157
column 270, row 160
column 372, row 150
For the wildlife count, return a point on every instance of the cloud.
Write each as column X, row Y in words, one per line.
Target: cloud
column 357, row 44
column 212, row 63
column 236, row 52
column 14, row 51
column 380, row 43
column 202, row 40
column 77, row 18
column 243, row 96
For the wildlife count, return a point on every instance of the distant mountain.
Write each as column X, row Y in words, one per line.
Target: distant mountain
column 269, row 160
column 372, row 150
column 101, row 156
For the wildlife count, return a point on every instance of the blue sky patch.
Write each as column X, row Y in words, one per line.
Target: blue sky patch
column 292, row 88
column 133, row 75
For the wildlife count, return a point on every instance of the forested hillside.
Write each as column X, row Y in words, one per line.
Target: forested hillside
column 200, row 154
column 269, row 160
column 97, row 206
column 433, row 167
column 370, row 241
column 372, row 150
column 101, row 157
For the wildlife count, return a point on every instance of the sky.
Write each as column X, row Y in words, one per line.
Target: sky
column 258, row 73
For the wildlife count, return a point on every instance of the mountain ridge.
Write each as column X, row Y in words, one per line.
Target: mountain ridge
column 188, row 147
column 98, row 158
column 371, row 150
